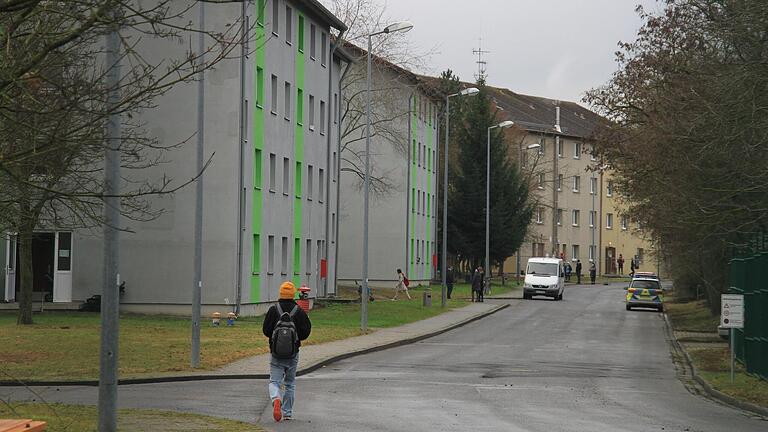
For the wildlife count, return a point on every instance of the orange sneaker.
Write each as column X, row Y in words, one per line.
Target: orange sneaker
column 277, row 409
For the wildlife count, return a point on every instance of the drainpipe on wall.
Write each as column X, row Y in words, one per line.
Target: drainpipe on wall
column 555, row 243
column 331, row 116
column 241, row 161
column 338, row 175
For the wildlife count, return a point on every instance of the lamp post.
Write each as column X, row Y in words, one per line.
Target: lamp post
column 466, row 92
column 519, row 165
column 502, row 125
column 403, row 26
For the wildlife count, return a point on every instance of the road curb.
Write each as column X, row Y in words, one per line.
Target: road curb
column 212, row 377
column 711, row 391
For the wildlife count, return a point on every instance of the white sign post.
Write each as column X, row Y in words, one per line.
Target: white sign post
column 732, row 317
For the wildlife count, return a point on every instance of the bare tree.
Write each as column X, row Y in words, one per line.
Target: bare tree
column 53, row 110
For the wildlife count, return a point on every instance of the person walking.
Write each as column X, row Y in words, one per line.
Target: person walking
column 286, row 325
column 632, row 267
column 449, row 281
column 620, row 261
column 477, row 284
column 402, row 285
column 578, row 271
column 568, row 270
column 592, row 272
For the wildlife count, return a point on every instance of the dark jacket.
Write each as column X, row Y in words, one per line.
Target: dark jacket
column 578, row 268
column 477, row 280
column 449, row 276
column 301, row 320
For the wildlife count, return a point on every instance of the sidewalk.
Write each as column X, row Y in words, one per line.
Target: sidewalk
column 313, row 357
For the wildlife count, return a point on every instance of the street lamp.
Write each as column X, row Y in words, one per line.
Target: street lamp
column 502, row 125
column 466, row 92
column 403, row 26
column 519, row 165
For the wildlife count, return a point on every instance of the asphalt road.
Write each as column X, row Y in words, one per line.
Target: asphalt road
column 582, row 364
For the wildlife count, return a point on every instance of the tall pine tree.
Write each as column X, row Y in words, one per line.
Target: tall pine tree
column 511, row 210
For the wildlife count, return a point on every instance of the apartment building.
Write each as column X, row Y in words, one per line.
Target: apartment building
column 271, row 131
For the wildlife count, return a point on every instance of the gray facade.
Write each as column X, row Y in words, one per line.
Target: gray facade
column 269, row 192
column 404, row 154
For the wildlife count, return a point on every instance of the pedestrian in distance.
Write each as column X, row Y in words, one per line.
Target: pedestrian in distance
column 449, row 281
column 286, row 325
column 478, row 279
column 620, row 261
column 402, row 285
column 578, row 271
column 568, row 270
column 592, row 272
column 632, row 267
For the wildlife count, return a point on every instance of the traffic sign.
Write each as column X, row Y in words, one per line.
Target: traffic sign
column 732, row 311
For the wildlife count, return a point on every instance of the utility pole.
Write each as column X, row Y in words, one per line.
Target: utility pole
column 110, row 297
column 198, row 259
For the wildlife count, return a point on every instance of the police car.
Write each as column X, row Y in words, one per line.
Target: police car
column 645, row 291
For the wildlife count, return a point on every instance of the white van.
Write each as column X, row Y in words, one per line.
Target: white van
column 544, row 276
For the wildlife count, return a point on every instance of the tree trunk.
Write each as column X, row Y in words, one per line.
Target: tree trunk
column 26, row 277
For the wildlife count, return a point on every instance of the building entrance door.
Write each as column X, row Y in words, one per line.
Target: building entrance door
column 43, row 247
column 610, row 260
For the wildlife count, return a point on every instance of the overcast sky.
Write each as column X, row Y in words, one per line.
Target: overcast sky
column 551, row 48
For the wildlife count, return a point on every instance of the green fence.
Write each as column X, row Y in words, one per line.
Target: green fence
column 749, row 276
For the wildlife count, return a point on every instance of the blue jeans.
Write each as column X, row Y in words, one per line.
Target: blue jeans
column 283, row 372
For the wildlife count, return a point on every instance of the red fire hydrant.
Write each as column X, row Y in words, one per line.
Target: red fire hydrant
column 303, row 300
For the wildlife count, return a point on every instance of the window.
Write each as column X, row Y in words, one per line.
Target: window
column 64, row 255
column 272, row 170
column 541, row 181
column 640, row 254
column 624, row 222
column 609, row 221
column 321, row 185
column 577, row 150
column 524, row 162
column 300, row 106
column 271, row 256
column 311, row 112
column 541, row 147
column 259, row 87
column 411, row 251
column 559, row 182
column 434, row 161
column 574, row 252
column 592, row 185
column 559, row 216
column 288, row 25
column 262, row 5
column 413, row 200
column 298, row 180
column 335, row 170
column 296, row 256
column 286, row 176
column 413, row 159
column 308, row 257
column 301, row 33
column 273, row 102
column 257, row 169
column 559, row 148
column 429, row 207
column 323, row 48
column 575, row 217
column 429, row 160
column 255, row 255
column 312, row 41
column 592, row 155
column 333, row 227
column 592, row 217
column 335, row 108
column 419, row 159
column 275, row 17
column 592, row 252
column 539, row 215
column 609, row 188
column 537, row 249
column 576, row 183
column 310, row 183
column 287, row 97
column 322, row 117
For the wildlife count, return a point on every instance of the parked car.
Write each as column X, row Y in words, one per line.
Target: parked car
column 544, row 276
column 645, row 292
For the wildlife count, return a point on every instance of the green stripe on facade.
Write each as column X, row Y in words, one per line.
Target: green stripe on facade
column 299, row 156
column 428, row 233
column 258, row 147
column 414, row 168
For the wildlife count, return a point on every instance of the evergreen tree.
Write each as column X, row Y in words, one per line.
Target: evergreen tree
column 511, row 210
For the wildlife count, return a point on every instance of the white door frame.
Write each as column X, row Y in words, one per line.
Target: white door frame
column 10, row 267
column 62, row 279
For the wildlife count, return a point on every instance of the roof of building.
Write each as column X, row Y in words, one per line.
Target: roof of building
column 318, row 8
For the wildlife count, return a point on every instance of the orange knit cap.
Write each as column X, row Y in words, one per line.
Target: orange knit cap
column 287, row 290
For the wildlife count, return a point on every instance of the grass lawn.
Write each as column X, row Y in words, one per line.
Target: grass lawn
column 65, row 345
column 76, row 418
column 713, row 363
column 693, row 316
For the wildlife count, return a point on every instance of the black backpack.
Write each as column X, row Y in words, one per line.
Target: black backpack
column 284, row 337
